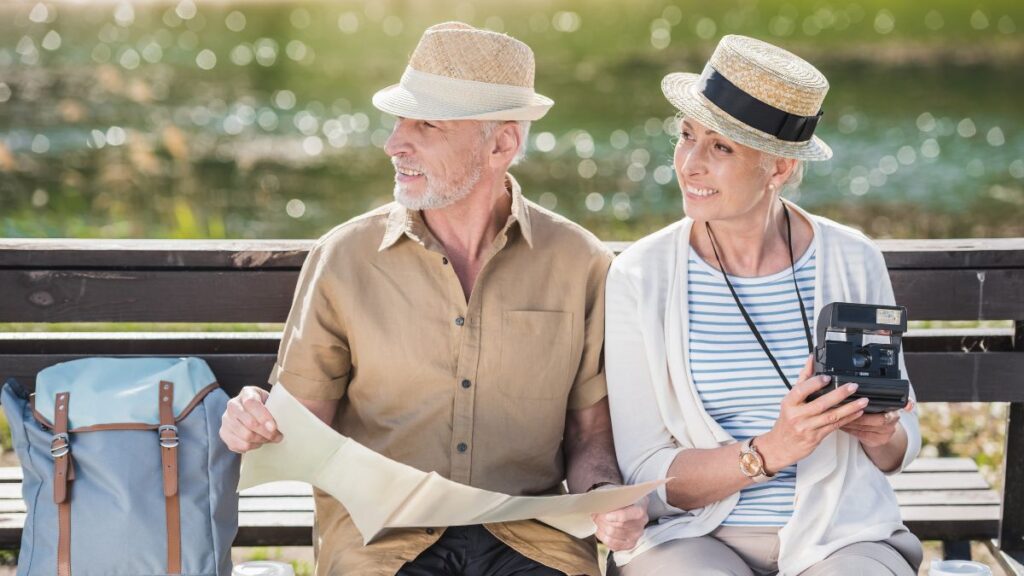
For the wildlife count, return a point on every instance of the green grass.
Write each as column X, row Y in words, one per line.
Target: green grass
column 264, row 553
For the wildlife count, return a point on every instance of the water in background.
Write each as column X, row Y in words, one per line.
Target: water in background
column 253, row 120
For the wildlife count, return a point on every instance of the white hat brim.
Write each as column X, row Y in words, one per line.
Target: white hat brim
column 682, row 90
column 400, row 101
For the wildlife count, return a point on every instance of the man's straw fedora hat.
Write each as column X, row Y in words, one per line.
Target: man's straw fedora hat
column 458, row 72
column 758, row 95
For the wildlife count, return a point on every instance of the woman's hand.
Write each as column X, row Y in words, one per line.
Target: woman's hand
column 802, row 425
column 883, row 439
column 874, row 430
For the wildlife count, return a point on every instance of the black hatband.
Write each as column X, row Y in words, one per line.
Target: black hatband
column 755, row 113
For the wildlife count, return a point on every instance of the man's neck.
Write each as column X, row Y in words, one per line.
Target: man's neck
column 467, row 228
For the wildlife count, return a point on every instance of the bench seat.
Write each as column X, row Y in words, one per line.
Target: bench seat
column 940, row 498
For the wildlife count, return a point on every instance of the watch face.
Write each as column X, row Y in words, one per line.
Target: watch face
column 750, row 464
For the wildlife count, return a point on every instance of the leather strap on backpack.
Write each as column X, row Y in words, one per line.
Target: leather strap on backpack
column 64, row 472
column 168, row 433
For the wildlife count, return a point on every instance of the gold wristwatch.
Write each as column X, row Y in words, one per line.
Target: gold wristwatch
column 752, row 464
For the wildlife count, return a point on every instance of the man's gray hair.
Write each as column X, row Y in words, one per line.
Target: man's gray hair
column 488, row 127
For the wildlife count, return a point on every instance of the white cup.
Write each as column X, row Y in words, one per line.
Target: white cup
column 262, row 568
column 958, row 568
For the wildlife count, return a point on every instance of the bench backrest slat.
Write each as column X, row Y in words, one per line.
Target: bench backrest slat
column 946, row 376
column 253, row 281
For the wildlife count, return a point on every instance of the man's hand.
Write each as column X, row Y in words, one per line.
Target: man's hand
column 874, row 430
column 620, row 529
column 247, row 424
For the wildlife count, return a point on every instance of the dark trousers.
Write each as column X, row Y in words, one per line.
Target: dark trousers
column 473, row 551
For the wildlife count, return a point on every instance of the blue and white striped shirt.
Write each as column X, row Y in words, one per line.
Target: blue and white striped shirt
column 737, row 383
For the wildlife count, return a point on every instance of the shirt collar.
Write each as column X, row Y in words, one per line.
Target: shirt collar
column 405, row 222
column 520, row 211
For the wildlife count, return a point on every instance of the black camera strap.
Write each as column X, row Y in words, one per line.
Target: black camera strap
column 743, row 310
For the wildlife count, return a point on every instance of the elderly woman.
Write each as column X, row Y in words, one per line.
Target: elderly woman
column 707, row 343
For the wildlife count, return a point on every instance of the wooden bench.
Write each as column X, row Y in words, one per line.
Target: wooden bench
column 49, row 281
column 941, row 498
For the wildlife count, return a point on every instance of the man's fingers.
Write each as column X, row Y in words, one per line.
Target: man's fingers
column 253, row 404
column 247, row 420
column 612, row 522
column 613, row 540
column 234, row 442
column 613, row 544
column 617, row 544
column 621, row 524
column 620, row 529
column 624, row 515
column 240, row 431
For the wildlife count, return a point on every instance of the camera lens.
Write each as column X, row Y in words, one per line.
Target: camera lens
column 861, row 358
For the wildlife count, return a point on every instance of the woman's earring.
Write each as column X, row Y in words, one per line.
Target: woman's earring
column 771, row 187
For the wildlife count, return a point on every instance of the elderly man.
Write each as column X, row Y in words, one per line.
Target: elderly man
column 457, row 330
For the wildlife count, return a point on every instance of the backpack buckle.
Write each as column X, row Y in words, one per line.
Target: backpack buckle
column 171, row 441
column 60, row 445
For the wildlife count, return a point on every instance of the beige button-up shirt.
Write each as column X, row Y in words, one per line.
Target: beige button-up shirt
column 477, row 391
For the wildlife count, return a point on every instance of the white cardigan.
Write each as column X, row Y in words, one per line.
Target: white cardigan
column 841, row 496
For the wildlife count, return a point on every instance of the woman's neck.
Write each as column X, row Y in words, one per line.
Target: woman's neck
column 755, row 244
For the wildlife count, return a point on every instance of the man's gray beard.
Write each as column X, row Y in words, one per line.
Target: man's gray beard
column 438, row 195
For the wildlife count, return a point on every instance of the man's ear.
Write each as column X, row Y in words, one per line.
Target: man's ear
column 507, row 137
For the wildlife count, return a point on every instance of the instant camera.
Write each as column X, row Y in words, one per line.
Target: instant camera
column 848, row 351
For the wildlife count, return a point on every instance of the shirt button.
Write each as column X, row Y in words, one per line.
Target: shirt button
column 430, row 531
column 462, row 447
column 444, row 261
column 460, row 321
column 466, row 383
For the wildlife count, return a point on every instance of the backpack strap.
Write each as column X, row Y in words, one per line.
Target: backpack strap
column 168, row 434
column 60, row 448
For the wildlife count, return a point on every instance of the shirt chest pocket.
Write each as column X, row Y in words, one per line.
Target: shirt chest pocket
column 535, row 354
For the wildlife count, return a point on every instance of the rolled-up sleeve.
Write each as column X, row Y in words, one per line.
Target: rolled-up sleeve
column 314, row 361
column 643, row 445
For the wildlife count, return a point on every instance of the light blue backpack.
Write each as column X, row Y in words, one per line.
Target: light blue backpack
column 124, row 471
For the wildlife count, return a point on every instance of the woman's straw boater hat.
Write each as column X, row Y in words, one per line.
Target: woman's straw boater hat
column 458, row 72
column 758, row 95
